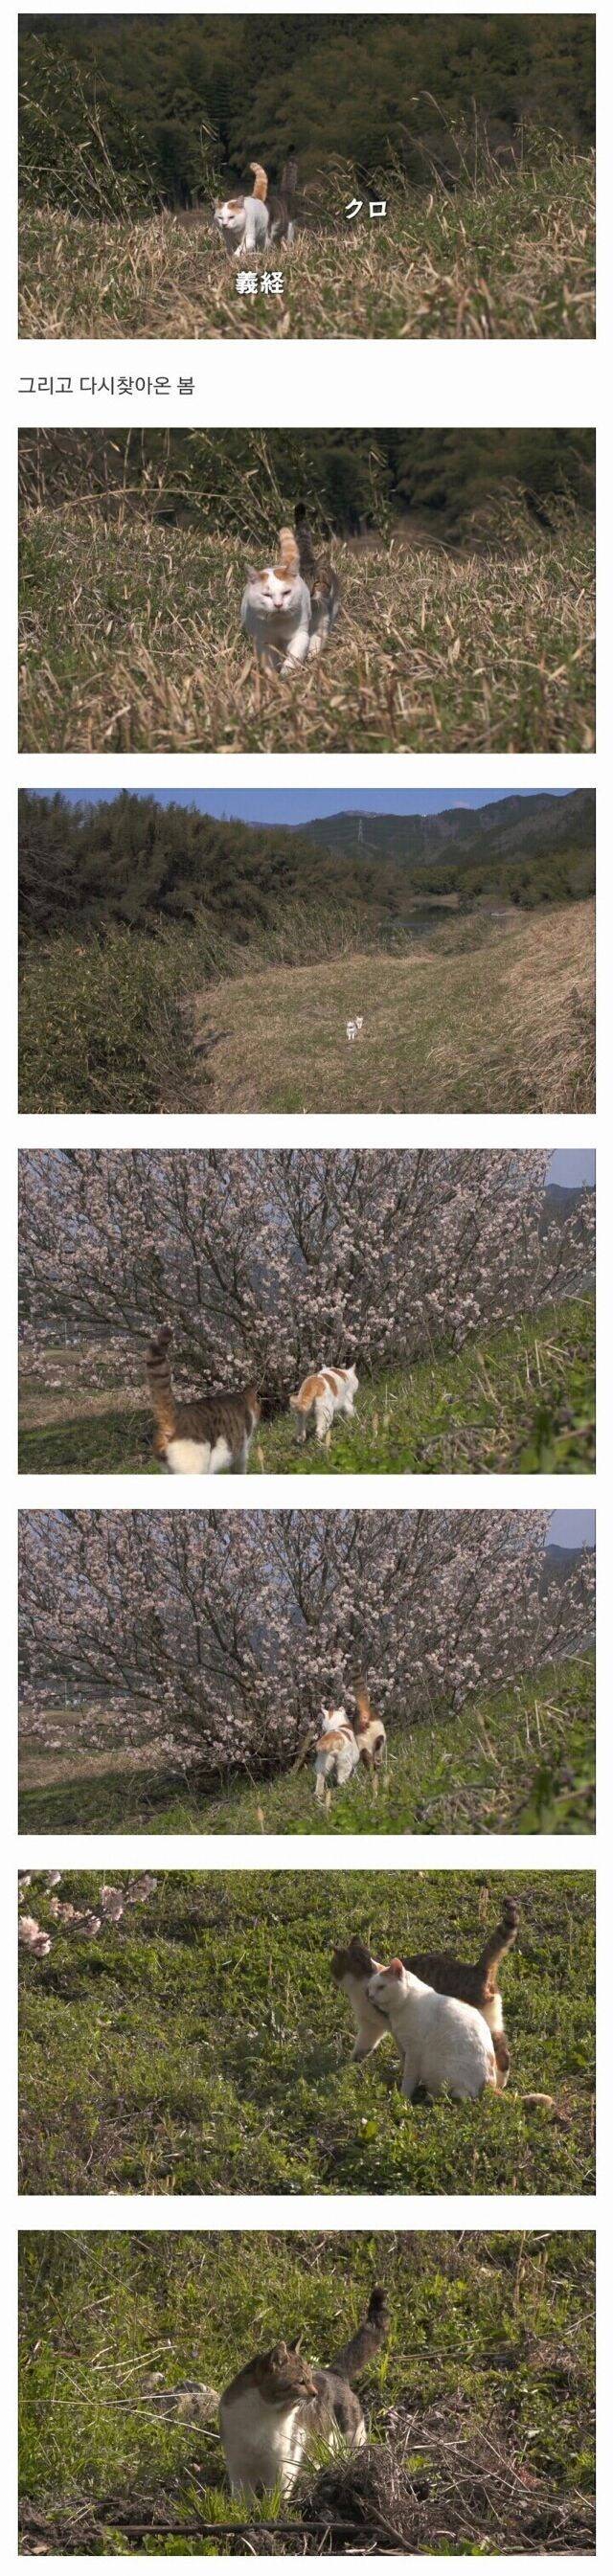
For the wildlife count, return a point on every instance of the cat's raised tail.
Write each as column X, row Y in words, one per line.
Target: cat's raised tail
column 260, row 181
column 289, row 558
column 362, row 2346
column 160, row 1382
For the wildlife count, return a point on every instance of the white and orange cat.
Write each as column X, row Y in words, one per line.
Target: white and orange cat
column 276, row 609
column 244, row 221
column 322, row 1395
column 370, row 1734
column 248, row 222
column 337, row 1753
column 289, row 608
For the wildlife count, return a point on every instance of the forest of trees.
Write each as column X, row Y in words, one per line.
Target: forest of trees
column 172, row 105
column 350, row 479
column 133, row 861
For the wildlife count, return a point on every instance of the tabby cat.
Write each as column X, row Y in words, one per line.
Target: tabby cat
column 209, row 1435
column 277, row 2407
column 320, row 577
column 353, row 1967
column 282, row 203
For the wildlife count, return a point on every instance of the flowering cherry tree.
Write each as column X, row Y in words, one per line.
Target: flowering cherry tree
column 270, row 1263
column 218, row 1634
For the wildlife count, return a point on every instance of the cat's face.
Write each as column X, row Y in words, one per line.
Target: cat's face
column 388, row 1986
column 355, row 1961
column 271, row 592
column 284, row 2377
column 230, row 216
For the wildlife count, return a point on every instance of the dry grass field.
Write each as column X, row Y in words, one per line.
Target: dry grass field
column 511, row 257
column 505, row 1023
column 489, row 1011
column 131, row 642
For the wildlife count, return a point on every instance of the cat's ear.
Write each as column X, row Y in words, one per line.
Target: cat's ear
column 395, row 1968
column 280, row 2353
column 252, row 575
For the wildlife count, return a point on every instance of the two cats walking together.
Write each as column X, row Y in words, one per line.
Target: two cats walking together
column 289, row 609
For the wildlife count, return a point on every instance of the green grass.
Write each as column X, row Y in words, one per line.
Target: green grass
column 510, row 258
column 201, row 2046
column 514, row 1402
column 481, row 1015
column 498, row 2329
column 131, row 640
column 520, row 1760
column 517, row 1402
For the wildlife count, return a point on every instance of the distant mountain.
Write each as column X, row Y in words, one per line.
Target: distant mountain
column 560, row 1559
column 136, row 861
column 516, row 832
column 561, row 1201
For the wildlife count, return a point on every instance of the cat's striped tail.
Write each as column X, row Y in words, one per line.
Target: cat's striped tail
column 160, row 1382
column 362, row 2346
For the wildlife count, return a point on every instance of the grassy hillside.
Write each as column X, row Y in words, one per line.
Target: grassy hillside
column 518, row 1402
column 131, row 641
column 201, row 2045
column 471, row 1020
column 487, row 2379
column 475, row 1015
column 511, row 258
column 519, row 1760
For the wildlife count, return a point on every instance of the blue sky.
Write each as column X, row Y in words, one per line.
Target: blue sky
column 301, row 805
column 572, row 1529
column 571, row 1164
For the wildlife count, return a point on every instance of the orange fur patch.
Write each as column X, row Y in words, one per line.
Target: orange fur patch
column 311, row 1387
column 289, row 559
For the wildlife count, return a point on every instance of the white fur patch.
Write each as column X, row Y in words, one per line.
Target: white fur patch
column 197, row 1458
column 447, row 2045
column 264, row 2445
column 244, row 223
